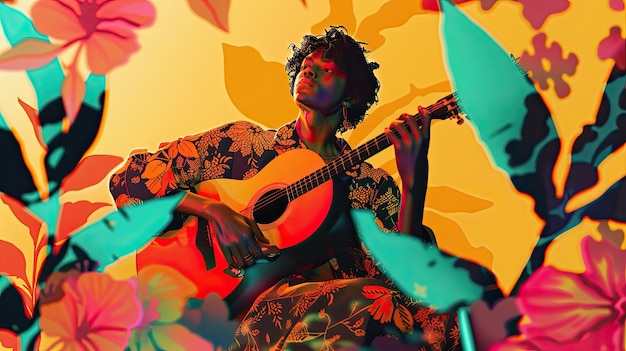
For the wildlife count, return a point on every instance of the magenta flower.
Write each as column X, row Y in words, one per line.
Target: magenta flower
column 105, row 28
column 96, row 312
column 569, row 311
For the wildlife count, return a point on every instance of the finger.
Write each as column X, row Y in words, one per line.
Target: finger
column 393, row 138
column 233, row 269
column 426, row 122
column 267, row 251
column 403, row 130
column 253, row 244
column 238, row 255
column 258, row 234
column 413, row 126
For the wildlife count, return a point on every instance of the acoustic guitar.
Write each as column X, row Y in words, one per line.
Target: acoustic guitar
column 298, row 202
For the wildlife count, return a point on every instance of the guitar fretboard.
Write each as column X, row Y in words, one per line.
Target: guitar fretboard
column 444, row 108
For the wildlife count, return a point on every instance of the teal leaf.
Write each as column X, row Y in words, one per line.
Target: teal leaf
column 504, row 107
column 120, row 233
column 420, row 271
column 4, row 126
column 599, row 140
column 46, row 80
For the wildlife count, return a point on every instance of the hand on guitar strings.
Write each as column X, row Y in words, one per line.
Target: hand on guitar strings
column 240, row 239
column 410, row 143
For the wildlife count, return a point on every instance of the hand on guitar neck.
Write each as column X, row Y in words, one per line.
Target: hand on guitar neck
column 241, row 241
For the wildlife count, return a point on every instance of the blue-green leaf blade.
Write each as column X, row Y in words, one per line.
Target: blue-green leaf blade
column 121, row 232
column 420, row 271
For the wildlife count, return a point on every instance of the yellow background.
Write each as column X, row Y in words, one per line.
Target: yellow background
column 190, row 76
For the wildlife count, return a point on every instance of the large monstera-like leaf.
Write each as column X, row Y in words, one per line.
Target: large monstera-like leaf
column 422, row 272
column 504, row 107
column 517, row 130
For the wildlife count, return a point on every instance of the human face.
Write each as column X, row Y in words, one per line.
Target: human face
column 320, row 84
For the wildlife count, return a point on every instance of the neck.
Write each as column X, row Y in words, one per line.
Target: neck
column 318, row 133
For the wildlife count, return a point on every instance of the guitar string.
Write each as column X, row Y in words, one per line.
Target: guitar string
column 303, row 184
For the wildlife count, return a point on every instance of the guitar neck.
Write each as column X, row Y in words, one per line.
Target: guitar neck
column 444, row 108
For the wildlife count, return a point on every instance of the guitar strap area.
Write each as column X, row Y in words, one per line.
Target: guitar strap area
column 205, row 244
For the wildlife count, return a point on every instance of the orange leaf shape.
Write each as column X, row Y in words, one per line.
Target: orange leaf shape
column 403, row 319
column 187, row 149
column 8, row 338
column 382, row 309
column 341, row 11
column 24, row 215
column 29, row 54
column 238, row 63
column 154, row 168
column 374, row 291
column 12, row 261
column 392, row 14
column 73, row 92
column 214, row 11
column 74, row 215
column 450, row 200
column 90, row 171
column 33, row 116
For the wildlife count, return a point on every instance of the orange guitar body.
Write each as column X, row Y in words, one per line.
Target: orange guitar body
column 297, row 223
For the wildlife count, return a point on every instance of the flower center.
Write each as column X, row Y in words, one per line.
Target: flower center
column 82, row 330
column 88, row 18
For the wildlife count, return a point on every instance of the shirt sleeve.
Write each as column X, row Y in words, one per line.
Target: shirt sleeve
column 177, row 165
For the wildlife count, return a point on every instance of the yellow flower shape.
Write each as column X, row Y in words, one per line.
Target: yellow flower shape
column 164, row 293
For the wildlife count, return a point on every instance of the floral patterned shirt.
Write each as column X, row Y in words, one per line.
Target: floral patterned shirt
column 360, row 307
column 239, row 150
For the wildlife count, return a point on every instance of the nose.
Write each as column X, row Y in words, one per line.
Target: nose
column 308, row 72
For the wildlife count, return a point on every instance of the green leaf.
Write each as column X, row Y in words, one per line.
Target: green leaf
column 121, row 232
column 47, row 79
column 420, row 271
column 501, row 102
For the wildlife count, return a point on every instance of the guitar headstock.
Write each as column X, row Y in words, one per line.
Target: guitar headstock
column 448, row 107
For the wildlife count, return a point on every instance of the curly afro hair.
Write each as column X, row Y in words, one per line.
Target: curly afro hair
column 349, row 55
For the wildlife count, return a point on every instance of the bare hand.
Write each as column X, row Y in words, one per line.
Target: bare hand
column 239, row 237
column 409, row 142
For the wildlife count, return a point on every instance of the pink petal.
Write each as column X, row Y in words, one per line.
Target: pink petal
column 606, row 266
column 214, row 11
column 561, row 306
column 106, row 340
column 609, row 337
column 29, row 54
column 109, row 303
column 106, row 50
column 613, row 47
column 511, row 345
column 139, row 13
column 57, row 20
column 73, row 92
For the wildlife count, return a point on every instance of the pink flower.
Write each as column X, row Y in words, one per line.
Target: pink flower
column 96, row 312
column 569, row 311
column 103, row 27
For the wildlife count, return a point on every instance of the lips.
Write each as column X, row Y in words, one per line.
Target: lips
column 306, row 81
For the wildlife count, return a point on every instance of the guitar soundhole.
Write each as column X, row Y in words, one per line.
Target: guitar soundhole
column 270, row 206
